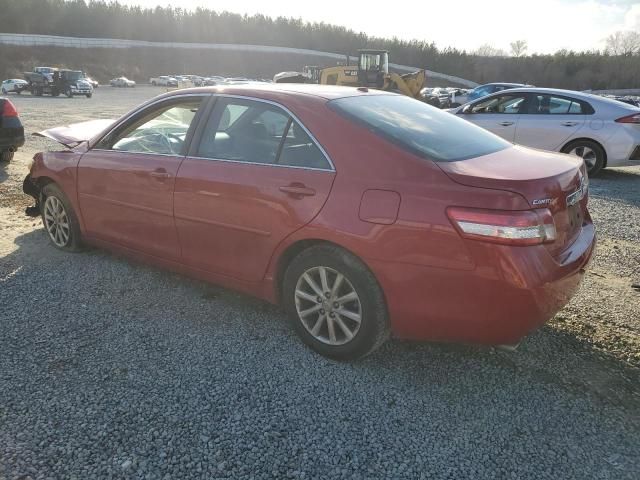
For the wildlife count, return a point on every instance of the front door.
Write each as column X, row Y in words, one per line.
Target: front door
column 125, row 183
column 498, row 113
column 254, row 177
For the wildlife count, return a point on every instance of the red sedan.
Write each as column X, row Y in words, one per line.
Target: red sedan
column 363, row 213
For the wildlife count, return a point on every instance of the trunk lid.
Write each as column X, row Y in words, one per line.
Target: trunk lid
column 73, row 135
column 545, row 179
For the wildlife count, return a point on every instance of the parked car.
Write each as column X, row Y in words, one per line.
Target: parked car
column 438, row 97
column 122, row 82
column 306, row 195
column 14, row 85
column 484, row 90
column 91, row 81
column 11, row 130
column 164, row 81
column 604, row 132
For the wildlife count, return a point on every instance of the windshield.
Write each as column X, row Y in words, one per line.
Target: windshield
column 74, row 75
column 420, row 128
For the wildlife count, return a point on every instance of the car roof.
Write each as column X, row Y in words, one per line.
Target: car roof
column 264, row 90
column 503, row 84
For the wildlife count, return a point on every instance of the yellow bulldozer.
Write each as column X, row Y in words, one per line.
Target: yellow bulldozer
column 372, row 71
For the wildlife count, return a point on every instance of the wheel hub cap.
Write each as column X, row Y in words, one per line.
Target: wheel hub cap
column 328, row 305
column 56, row 221
column 587, row 154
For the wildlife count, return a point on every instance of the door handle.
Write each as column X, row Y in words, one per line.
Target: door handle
column 569, row 124
column 160, row 174
column 506, row 124
column 298, row 190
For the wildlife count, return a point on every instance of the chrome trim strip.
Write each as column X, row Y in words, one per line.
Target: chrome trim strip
column 174, row 155
column 259, row 163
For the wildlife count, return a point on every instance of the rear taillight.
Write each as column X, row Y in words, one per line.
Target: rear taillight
column 635, row 118
column 521, row 227
column 9, row 109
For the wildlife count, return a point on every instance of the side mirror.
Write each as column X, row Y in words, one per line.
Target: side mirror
column 467, row 109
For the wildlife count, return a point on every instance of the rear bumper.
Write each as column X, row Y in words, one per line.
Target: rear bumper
column 499, row 302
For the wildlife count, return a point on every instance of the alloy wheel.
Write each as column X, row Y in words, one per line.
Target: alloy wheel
column 328, row 305
column 587, row 154
column 56, row 221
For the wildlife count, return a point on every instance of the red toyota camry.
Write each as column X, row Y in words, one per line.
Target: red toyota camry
column 363, row 213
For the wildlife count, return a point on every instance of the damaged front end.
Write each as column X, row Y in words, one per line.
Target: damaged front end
column 31, row 188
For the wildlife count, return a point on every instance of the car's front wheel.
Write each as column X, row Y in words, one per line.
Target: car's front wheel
column 591, row 153
column 59, row 219
column 335, row 304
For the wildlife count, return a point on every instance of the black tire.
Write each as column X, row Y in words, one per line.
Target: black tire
column 4, row 91
column 73, row 243
column 19, row 92
column 593, row 168
column 374, row 323
column 68, row 93
column 89, row 95
column 6, row 157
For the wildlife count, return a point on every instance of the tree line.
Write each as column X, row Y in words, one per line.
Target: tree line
column 611, row 68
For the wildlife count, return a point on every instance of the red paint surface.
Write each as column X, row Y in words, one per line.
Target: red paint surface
column 230, row 223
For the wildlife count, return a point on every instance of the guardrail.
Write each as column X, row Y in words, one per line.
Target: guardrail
column 80, row 42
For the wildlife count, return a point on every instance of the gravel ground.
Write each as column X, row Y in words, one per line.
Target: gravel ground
column 112, row 369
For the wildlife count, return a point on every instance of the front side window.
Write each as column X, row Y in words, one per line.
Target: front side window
column 162, row 131
column 251, row 131
column 550, row 105
column 422, row 129
column 507, row 104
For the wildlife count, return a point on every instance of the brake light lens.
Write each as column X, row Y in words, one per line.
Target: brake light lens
column 520, row 227
column 9, row 109
column 634, row 118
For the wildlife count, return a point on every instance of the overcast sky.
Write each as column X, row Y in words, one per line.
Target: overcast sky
column 547, row 25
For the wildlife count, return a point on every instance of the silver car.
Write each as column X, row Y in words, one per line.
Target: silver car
column 604, row 132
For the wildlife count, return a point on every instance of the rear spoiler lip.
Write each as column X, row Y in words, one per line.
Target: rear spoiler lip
column 76, row 134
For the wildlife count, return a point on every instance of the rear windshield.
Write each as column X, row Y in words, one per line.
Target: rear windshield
column 424, row 130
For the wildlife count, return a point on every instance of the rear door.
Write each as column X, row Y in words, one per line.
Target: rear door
column 550, row 121
column 499, row 113
column 254, row 175
column 126, row 182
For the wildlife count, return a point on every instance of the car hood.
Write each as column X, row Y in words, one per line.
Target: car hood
column 73, row 135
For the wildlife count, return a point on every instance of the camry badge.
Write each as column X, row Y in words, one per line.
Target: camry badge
column 543, row 201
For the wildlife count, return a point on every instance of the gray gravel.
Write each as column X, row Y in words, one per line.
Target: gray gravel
column 112, row 369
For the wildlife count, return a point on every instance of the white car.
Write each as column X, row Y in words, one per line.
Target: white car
column 122, row 82
column 14, row 85
column 604, row 132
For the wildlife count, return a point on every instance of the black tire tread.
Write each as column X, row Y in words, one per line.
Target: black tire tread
column 372, row 298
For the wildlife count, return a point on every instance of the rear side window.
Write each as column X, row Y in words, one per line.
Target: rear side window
column 551, row 105
column 251, row 131
column 419, row 128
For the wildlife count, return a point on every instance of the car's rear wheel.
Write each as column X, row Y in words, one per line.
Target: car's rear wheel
column 335, row 304
column 591, row 153
column 4, row 91
column 68, row 93
column 59, row 219
column 6, row 157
